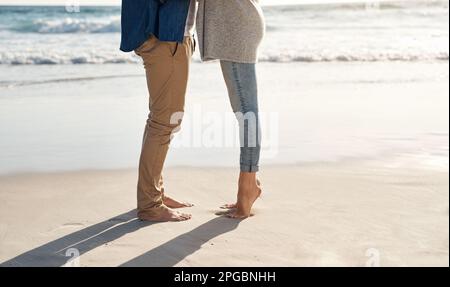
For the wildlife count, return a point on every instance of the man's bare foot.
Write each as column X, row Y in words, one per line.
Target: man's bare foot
column 249, row 192
column 165, row 214
column 172, row 203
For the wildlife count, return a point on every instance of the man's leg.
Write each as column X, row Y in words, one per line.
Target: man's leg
column 171, row 202
column 167, row 69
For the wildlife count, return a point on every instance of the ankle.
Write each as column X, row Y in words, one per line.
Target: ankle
column 248, row 188
column 247, row 178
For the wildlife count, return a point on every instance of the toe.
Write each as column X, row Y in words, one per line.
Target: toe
column 186, row 216
column 223, row 212
column 182, row 218
column 228, row 206
column 236, row 216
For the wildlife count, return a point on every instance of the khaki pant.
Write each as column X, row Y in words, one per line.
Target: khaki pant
column 167, row 69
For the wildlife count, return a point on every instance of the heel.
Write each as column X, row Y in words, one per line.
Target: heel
column 258, row 183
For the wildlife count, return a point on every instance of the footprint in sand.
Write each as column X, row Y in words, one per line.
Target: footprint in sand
column 74, row 225
column 3, row 229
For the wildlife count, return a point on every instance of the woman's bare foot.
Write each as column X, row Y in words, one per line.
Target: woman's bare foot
column 165, row 214
column 229, row 206
column 172, row 203
column 234, row 205
column 249, row 192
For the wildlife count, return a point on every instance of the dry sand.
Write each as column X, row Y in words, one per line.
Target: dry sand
column 340, row 214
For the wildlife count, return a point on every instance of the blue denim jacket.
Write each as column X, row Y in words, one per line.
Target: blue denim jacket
column 166, row 19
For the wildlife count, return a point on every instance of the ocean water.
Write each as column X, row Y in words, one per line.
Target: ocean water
column 336, row 82
column 394, row 31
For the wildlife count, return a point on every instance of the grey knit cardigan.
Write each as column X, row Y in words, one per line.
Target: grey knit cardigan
column 230, row 30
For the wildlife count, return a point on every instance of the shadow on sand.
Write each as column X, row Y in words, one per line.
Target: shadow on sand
column 57, row 253
column 177, row 249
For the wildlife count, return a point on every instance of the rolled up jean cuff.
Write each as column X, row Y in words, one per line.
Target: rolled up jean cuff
column 249, row 168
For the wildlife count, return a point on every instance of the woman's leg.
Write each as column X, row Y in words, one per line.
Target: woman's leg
column 242, row 87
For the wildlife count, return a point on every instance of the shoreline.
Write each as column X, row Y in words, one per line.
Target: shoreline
column 373, row 111
column 377, row 161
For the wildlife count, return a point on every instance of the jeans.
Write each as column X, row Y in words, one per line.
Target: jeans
column 241, row 82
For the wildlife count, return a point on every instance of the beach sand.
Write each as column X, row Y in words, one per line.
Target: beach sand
column 359, row 173
column 352, row 213
column 354, row 109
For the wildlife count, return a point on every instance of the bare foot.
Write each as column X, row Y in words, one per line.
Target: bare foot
column 234, row 205
column 229, row 206
column 165, row 214
column 249, row 192
column 172, row 203
column 224, row 212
